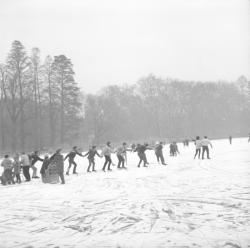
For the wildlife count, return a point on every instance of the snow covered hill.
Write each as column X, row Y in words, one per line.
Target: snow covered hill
column 188, row 203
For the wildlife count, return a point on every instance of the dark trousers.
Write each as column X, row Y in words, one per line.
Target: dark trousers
column 197, row 152
column 91, row 164
column 143, row 158
column 121, row 161
column 108, row 162
column 205, row 149
column 18, row 178
column 160, row 157
column 26, row 172
column 61, row 177
column 75, row 165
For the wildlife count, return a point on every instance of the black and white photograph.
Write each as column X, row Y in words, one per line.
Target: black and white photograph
column 125, row 123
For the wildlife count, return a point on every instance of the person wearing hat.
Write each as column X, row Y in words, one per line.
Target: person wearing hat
column 91, row 157
column 71, row 157
column 106, row 152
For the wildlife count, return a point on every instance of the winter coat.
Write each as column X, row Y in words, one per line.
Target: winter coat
column 91, row 154
column 198, row 144
column 107, row 150
column 34, row 158
column 45, row 165
column 7, row 164
column 25, row 161
column 72, row 155
column 17, row 167
column 206, row 142
column 58, row 160
column 158, row 149
column 121, row 151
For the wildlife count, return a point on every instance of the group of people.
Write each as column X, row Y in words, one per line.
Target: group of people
column 55, row 164
column 202, row 146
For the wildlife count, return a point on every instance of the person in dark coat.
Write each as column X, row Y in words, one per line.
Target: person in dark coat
column 44, row 167
column 57, row 158
column 17, row 168
column 140, row 149
column 91, row 157
column 159, row 153
column 71, row 157
column 33, row 159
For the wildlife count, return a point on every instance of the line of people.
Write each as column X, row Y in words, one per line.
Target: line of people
column 12, row 169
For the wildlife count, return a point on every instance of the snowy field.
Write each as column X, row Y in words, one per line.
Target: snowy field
column 188, row 203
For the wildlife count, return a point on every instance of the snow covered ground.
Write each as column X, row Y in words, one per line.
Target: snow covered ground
column 188, row 203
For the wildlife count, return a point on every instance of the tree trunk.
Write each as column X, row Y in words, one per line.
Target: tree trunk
column 51, row 120
column 22, row 132
column 62, row 112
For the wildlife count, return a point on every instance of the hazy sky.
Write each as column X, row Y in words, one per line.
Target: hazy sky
column 119, row 41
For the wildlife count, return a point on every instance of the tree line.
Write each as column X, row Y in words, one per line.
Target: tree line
column 42, row 106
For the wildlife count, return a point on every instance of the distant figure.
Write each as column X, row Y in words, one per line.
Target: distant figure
column 230, row 139
column 198, row 147
column 121, row 153
column 91, row 157
column 174, row 149
column 159, row 153
column 106, row 152
column 205, row 142
column 57, row 159
column 17, row 168
column 71, row 157
column 33, row 159
column 25, row 163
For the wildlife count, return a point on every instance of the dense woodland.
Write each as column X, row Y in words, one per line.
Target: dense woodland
column 42, row 106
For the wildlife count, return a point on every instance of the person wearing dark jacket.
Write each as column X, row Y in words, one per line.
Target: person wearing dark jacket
column 159, row 153
column 57, row 158
column 140, row 149
column 44, row 167
column 33, row 159
column 91, row 157
column 71, row 157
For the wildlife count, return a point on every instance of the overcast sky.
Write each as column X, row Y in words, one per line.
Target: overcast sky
column 119, row 41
